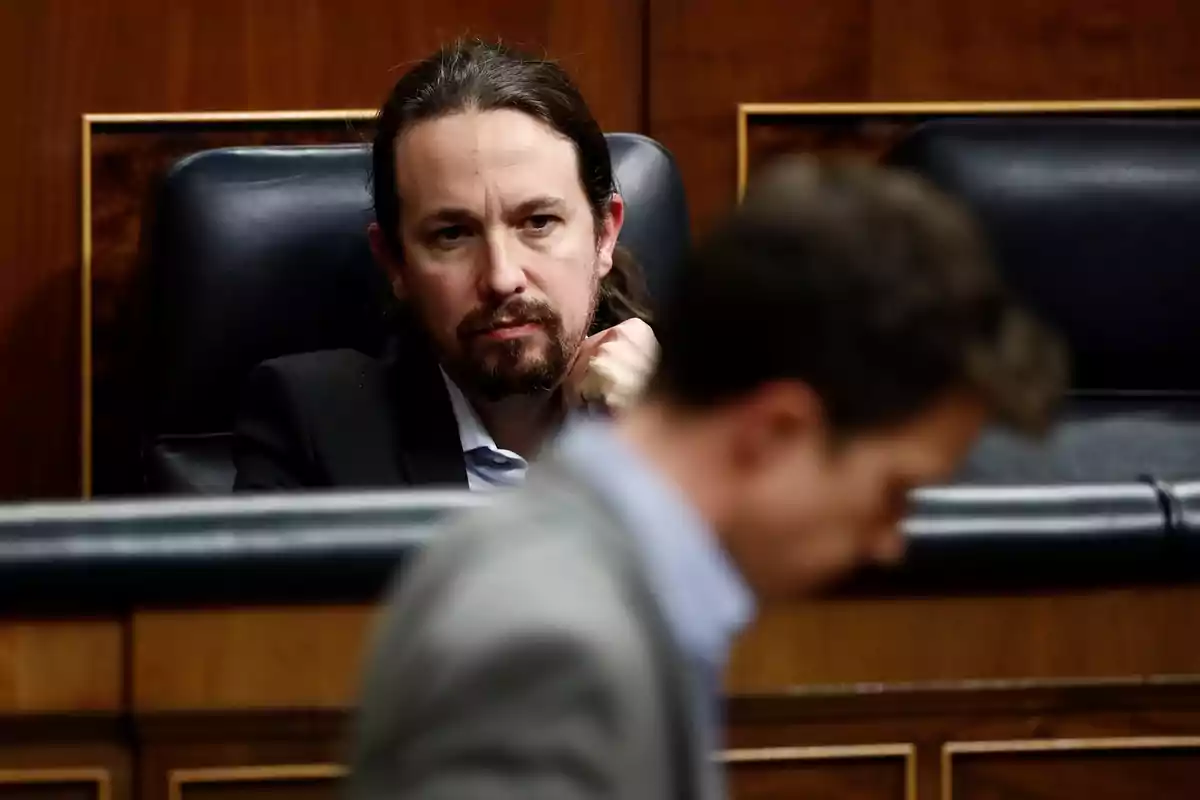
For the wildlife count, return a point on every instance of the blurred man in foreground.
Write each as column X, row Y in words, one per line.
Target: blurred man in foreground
column 497, row 222
column 835, row 343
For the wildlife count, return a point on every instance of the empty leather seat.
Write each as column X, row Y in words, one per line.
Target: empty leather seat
column 1097, row 223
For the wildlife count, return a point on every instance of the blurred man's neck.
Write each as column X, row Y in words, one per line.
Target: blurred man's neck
column 681, row 447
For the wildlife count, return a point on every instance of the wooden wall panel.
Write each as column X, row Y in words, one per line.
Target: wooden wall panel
column 241, row 755
column 993, row 740
column 1165, row 768
column 978, row 741
column 238, row 658
column 60, row 59
column 55, row 784
column 247, row 658
column 1080, row 634
column 1033, row 49
column 279, row 782
column 986, row 741
column 273, row 788
column 862, row 772
column 55, row 666
column 710, row 55
column 1109, row 740
column 63, row 758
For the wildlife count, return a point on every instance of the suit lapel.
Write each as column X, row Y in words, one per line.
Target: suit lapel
column 690, row 746
column 427, row 445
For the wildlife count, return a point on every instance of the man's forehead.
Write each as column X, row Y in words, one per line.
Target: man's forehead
column 465, row 159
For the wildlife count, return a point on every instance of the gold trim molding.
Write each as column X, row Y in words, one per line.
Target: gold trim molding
column 97, row 775
column 88, row 123
column 745, row 111
column 1042, row 746
column 766, row 755
column 178, row 778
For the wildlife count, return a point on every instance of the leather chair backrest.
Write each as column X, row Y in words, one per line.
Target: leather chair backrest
column 259, row 252
column 1096, row 222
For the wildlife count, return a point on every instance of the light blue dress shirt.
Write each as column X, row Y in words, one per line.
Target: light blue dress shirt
column 488, row 466
column 704, row 599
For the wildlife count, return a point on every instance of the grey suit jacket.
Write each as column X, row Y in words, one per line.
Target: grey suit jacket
column 524, row 656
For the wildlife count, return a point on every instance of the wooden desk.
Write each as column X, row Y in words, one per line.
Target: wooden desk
column 1043, row 696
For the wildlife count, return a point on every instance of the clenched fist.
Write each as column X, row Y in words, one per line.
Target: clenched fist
column 613, row 366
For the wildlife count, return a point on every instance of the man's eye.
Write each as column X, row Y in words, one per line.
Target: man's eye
column 450, row 234
column 540, row 223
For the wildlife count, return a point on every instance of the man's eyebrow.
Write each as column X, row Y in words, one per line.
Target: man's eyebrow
column 456, row 215
column 545, row 202
column 449, row 214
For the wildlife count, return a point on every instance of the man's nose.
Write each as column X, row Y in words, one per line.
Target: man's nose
column 503, row 273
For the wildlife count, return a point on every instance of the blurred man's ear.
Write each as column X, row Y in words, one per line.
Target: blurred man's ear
column 384, row 257
column 774, row 418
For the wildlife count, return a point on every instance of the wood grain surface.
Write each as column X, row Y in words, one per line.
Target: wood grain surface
column 51, row 666
column 709, row 55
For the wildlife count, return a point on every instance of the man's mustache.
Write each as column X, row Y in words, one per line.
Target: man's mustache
column 511, row 314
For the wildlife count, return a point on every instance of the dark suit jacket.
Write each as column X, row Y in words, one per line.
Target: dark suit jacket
column 339, row 418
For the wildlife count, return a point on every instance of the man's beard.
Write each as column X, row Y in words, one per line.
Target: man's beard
column 497, row 368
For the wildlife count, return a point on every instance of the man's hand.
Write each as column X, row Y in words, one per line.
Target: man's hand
column 612, row 367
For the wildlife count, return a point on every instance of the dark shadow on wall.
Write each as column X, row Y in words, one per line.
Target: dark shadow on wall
column 40, row 407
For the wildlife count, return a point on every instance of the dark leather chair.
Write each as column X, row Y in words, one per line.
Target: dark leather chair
column 261, row 252
column 1097, row 223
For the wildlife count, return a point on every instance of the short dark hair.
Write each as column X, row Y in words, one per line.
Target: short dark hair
column 484, row 76
column 868, row 285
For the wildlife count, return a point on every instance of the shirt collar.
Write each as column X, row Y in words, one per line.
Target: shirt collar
column 471, row 433
column 704, row 598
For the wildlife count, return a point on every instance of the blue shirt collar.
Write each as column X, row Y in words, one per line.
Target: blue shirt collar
column 471, row 432
column 488, row 466
column 705, row 600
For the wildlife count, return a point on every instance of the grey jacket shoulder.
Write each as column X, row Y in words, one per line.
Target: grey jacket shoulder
column 515, row 650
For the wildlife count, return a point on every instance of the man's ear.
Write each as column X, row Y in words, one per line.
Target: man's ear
column 773, row 418
column 609, row 231
column 385, row 258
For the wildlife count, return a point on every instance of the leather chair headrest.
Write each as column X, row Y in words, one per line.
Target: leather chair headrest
column 255, row 253
column 1097, row 223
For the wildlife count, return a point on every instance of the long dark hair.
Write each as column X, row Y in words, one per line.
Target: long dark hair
column 472, row 74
